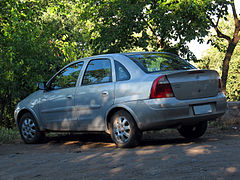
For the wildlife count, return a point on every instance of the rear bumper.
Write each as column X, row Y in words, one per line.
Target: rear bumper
column 168, row 112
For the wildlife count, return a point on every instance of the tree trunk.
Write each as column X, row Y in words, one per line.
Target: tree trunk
column 1, row 112
column 226, row 61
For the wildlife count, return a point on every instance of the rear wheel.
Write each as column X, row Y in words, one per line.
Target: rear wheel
column 29, row 129
column 124, row 131
column 193, row 131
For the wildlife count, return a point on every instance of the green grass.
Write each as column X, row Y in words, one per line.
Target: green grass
column 9, row 135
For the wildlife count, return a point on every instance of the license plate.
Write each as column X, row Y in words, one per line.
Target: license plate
column 202, row 109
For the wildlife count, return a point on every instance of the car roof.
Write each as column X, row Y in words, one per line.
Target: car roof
column 135, row 53
column 125, row 54
column 119, row 54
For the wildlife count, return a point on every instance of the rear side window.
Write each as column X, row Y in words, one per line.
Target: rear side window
column 122, row 73
column 160, row 62
column 98, row 71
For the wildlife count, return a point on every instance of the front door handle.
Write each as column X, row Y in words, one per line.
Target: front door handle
column 69, row 96
column 105, row 93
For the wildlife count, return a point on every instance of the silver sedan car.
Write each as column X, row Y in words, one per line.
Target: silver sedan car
column 123, row 94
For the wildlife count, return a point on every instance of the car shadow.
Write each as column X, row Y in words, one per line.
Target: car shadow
column 103, row 139
column 170, row 141
column 95, row 137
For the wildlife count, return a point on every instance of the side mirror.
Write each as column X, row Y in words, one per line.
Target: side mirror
column 41, row 86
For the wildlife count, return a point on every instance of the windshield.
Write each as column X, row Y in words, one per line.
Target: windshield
column 160, row 62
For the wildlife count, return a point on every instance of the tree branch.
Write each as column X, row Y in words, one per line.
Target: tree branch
column 235, row 13
column 219, row 16
column 158, row 40
column 237, row 23
column 219, row 33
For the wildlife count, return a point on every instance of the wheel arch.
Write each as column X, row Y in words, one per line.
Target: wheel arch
column 25, row 110
column 118, row 108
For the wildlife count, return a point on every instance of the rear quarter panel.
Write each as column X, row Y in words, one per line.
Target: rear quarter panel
column 138, row 87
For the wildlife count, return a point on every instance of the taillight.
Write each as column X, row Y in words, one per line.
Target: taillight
column 161, row 88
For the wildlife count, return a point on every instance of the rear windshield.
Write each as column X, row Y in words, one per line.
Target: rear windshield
column 160, row 62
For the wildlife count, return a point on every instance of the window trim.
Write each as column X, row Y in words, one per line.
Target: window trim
column 85, row 69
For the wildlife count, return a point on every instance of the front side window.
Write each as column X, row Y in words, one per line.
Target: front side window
column 98, row 71
column 67, row 77
column 160, row 62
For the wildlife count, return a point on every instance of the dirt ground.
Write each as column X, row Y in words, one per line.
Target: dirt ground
column 160, row 156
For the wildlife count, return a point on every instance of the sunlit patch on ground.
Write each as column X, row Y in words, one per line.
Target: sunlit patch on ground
column 71, row 142
column 144, row 152
column 231, row 170
column 185, row 144
column 198, row 150
column 116, row 170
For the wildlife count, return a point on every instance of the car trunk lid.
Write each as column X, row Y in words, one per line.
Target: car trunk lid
column 194, row 84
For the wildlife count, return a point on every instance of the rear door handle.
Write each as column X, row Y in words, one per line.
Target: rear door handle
column 105, row 93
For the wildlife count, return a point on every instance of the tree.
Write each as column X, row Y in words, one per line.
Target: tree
column 162, row 24
column 148, row 25
column 159, row 25
column 232, row 39
column 37, row 38
column 21, row 46
column 214, row 56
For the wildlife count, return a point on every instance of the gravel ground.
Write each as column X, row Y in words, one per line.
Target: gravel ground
column 164, row 155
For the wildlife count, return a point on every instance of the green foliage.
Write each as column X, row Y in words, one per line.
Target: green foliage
column 233, row 84
column 8, row 135
column 213, row 60
column 37, row 38
column 166, row 25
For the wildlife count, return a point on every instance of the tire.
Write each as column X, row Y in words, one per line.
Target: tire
column 29, row 129
column 123, row 130
column 193, row 131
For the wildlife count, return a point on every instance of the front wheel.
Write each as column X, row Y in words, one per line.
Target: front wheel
column 124, row 131
column 193, row 131
column 29, row 129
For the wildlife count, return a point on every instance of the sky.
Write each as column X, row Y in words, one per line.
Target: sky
column 198, row 49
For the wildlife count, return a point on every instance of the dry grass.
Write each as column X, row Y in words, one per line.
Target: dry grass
column 230, row 120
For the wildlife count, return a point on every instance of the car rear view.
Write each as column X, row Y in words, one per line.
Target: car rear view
column 181, row 96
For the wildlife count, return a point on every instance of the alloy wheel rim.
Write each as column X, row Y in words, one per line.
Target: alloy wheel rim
column 121, row 129
column 28, row 129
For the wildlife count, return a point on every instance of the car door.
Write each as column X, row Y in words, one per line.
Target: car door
column 57, row 104
column 95, row 95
